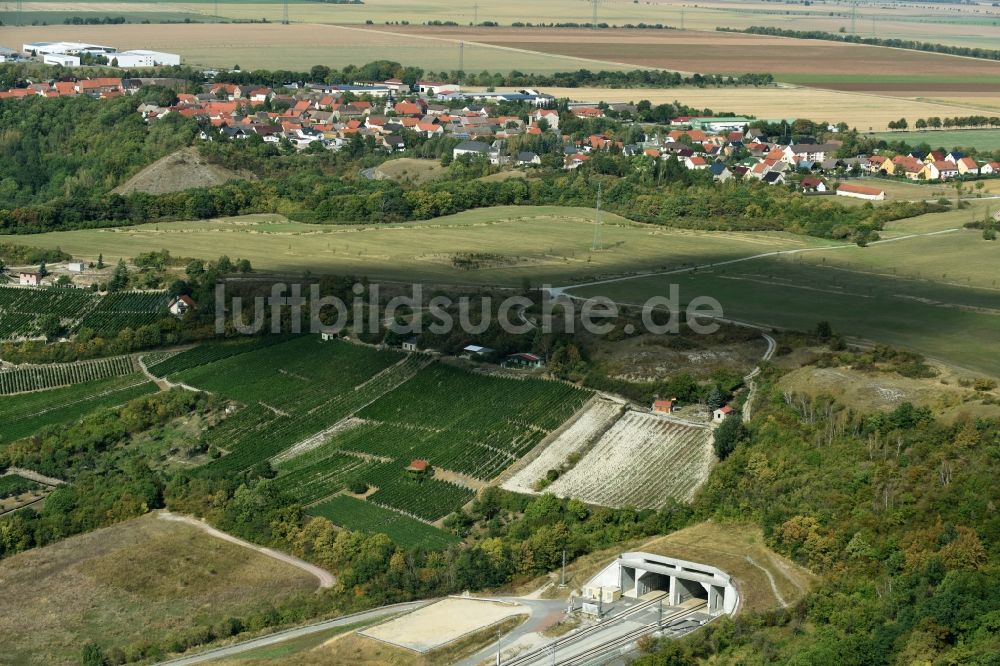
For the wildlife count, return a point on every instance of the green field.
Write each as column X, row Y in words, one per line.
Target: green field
column 354, row 514
column 541, row 243
column 26, row 414
column 938, row 295
column 980, row 139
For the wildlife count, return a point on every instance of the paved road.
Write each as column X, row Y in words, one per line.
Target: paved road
column 298, row 632
column 326, row 579
column 544, row 613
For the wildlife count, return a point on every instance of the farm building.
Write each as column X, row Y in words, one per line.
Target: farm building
column 664, row 406
column 634, row 575
column 860, row 192
column 29, row 279
column 180, row 305
column 410, row 345
column 477, row 351
column 418, row 467
column 75, row 267
column 523, row 360
column 721, row 413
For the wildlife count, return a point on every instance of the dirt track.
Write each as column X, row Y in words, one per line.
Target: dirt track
column 326, row 579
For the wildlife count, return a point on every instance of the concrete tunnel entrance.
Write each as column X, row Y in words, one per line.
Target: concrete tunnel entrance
column 635, row 575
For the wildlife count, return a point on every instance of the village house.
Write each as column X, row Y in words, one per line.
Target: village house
column 720, row 172
column 477, row 148
column 939, row 170
column 967, row 166
column 180, row 305
column 812, row 184
column 695, row 162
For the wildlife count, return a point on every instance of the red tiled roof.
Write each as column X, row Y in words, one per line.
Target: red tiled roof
column 859, row 189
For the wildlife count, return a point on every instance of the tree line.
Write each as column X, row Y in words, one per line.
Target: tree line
column 911, row 44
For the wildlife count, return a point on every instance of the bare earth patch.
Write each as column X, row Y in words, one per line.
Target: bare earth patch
column 179, row 171
column 443, row 622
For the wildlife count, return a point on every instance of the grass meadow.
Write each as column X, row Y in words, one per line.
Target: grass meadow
column 543, row 244
column 938, row 295
column 980, row 139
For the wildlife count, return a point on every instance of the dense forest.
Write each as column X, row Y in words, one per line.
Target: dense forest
column 73, row 148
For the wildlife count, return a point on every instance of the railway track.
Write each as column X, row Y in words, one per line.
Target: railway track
column 599, row 653
column 544, row 655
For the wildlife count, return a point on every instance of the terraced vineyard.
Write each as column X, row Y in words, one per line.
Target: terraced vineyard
column 599, row 416
column 290, row 391
column 367, row 517
column 25, row 414
column 129, row 309
column 643, row 460
column 209, row 352
column 37, row 377
column 329, row 414
column 21, row 309
column 471, row 423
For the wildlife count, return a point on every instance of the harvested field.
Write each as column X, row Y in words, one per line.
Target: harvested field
column 299, row 46
column 864, row 112
column 179, row 171
column 141, row 581
column 642, row 461
column 586, row 429
column 443, row 622
column 794, row 60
